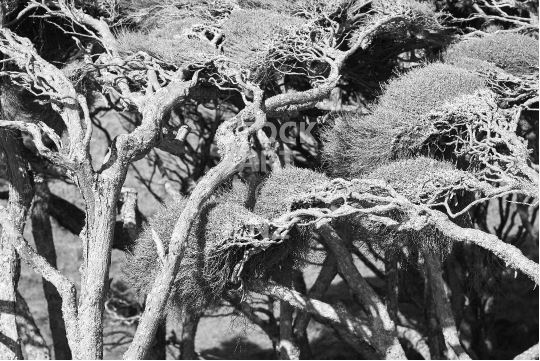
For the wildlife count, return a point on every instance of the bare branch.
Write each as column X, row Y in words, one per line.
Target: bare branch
column 235, row 149
column 35, row 130
column 384, row 333
column 318, row 289
column 443, row 309
column 416, row 340
column 316, row 308
column 508, row 253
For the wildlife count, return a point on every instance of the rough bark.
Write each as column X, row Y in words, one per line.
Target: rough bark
column 43, row 239
column 433, row 330
column 97, row 245
column 508, row 253
column 233, row 142
column 236, row 151
column 20, row 196
column 72, row 218
column 9, row 337
column 392, row 285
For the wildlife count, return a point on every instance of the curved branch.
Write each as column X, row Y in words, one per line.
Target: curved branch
column 236, row 151
column 508, row 253
column 36, row 73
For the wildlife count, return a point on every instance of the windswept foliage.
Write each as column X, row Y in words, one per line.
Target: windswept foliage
column 391, row 131
column 516, row 54
column 215, row 247
column 278, row 192
column 424, row 180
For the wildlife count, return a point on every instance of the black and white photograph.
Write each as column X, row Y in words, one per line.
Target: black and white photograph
column 269, row 179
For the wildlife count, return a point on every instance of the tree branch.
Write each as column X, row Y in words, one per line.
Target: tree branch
column 384, row 337
column 316, row 308
column 64, row 286
column 443, row 309
column 511, row 255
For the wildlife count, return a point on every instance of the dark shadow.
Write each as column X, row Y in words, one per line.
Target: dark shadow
column 238, row 349
column 9, row 343
column 7, row 307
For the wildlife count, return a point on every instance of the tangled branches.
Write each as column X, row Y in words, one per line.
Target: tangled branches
column 270, row 59
column 485, row 137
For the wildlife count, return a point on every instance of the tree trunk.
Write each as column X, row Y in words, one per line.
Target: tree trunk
column 288, row 350
column 392, row 285
column 190, row 324
column 20, row 196
column 97, row 237
column 9, row 338
column 433, row 330
column 43, row 238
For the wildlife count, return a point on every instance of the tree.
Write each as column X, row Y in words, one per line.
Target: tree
column 420, row 157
